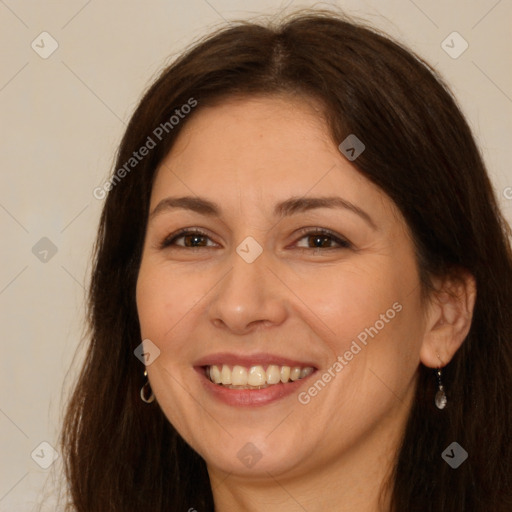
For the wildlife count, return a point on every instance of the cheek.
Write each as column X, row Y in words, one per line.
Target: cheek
column 163, row 299
column 349, row 298
column 151, row 296
column 370, row 313
column 163, row 302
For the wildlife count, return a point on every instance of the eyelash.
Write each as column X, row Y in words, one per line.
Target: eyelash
column 305, row 232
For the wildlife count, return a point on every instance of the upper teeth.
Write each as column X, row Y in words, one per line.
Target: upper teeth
column 255, row 375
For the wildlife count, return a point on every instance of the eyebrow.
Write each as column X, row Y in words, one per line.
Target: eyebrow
column 283, row 209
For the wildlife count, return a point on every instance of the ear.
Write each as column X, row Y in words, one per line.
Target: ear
column 448, row 318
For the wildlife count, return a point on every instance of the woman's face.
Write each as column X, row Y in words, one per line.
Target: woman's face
column 295, row 260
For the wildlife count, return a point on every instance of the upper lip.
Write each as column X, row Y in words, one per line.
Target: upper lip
column 263, row 359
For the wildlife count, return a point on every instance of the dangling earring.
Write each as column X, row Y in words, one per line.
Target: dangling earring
column 440, row 399
column 144, row 390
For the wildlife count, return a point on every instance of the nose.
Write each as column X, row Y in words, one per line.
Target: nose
column 249, row 297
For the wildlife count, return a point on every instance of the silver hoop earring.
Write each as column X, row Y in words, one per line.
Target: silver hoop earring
column 146, row 393
column 440, row 399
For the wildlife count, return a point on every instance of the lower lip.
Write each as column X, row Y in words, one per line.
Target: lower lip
column 251, row 397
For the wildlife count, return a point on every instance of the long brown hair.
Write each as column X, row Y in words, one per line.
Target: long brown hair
column 121, row 454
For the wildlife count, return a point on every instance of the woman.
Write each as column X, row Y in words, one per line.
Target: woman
column 301, row 290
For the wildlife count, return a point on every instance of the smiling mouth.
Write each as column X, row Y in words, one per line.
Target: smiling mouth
column 255, row 377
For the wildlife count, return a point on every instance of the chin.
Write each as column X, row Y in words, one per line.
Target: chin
column 256, row 455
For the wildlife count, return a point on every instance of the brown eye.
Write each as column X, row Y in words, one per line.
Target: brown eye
column 323, row 239
column 187, row 239
column 193, row 240
column 319, row 241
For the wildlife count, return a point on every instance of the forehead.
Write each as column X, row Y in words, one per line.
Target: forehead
column 250, row 154
column 273, row 127
column 264, row 144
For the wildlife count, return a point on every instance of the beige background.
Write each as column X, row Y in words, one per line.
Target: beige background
column 61, row 120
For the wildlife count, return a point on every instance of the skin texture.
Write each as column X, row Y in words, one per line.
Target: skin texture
column 294, row 301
